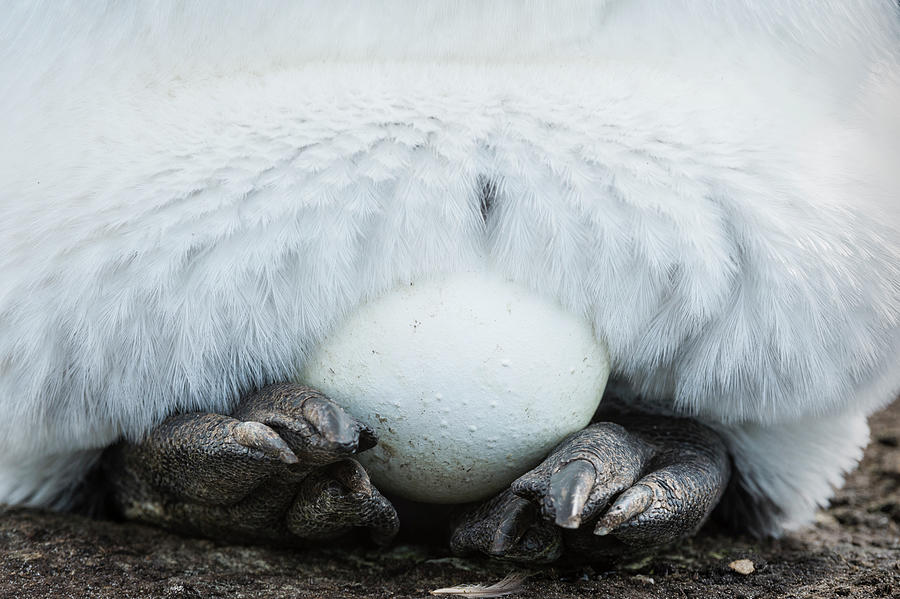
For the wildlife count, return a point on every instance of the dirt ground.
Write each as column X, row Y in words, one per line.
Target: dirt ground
column 853, row 550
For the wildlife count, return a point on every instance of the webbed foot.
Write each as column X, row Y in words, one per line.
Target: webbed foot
column 278, row 469
column 615, row 486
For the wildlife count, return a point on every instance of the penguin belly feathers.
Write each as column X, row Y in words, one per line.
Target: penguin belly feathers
column 193, row 197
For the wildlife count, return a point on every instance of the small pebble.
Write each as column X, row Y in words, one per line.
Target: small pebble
column 742, row 566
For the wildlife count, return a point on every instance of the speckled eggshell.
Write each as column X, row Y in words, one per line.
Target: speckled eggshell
column 468, row 379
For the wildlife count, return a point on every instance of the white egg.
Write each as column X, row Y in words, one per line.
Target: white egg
column 468, row 379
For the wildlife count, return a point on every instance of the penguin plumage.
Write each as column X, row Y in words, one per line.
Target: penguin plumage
column 193, row 195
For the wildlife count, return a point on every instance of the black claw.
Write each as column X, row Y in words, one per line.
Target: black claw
column 367, row 438
column 570, row 489
column 331, row 422
column 629, row 504
column 514, row 522
column 256, row 435
column 507, row 526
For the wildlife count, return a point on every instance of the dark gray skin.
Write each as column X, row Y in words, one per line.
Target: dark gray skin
column 279, row 469
column 612, row 488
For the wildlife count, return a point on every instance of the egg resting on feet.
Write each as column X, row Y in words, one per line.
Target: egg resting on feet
column 194, row 197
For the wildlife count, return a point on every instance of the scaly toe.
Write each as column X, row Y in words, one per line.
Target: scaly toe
column 578, row 479
column 507, row 527
column 317, row 430
column 334, row 500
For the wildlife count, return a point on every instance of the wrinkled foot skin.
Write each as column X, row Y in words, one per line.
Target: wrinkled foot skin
column 278, row 469
column 609, row 489
column 507, row 527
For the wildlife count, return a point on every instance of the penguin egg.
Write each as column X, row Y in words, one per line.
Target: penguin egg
column 468, row 379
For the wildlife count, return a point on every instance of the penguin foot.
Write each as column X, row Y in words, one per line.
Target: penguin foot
column 507, row 527
column 611, row 488
column 278, row 469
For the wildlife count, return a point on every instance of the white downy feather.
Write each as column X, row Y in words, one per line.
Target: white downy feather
column 192, row 195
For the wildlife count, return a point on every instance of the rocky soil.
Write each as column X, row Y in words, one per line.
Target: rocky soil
column 853, row 550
